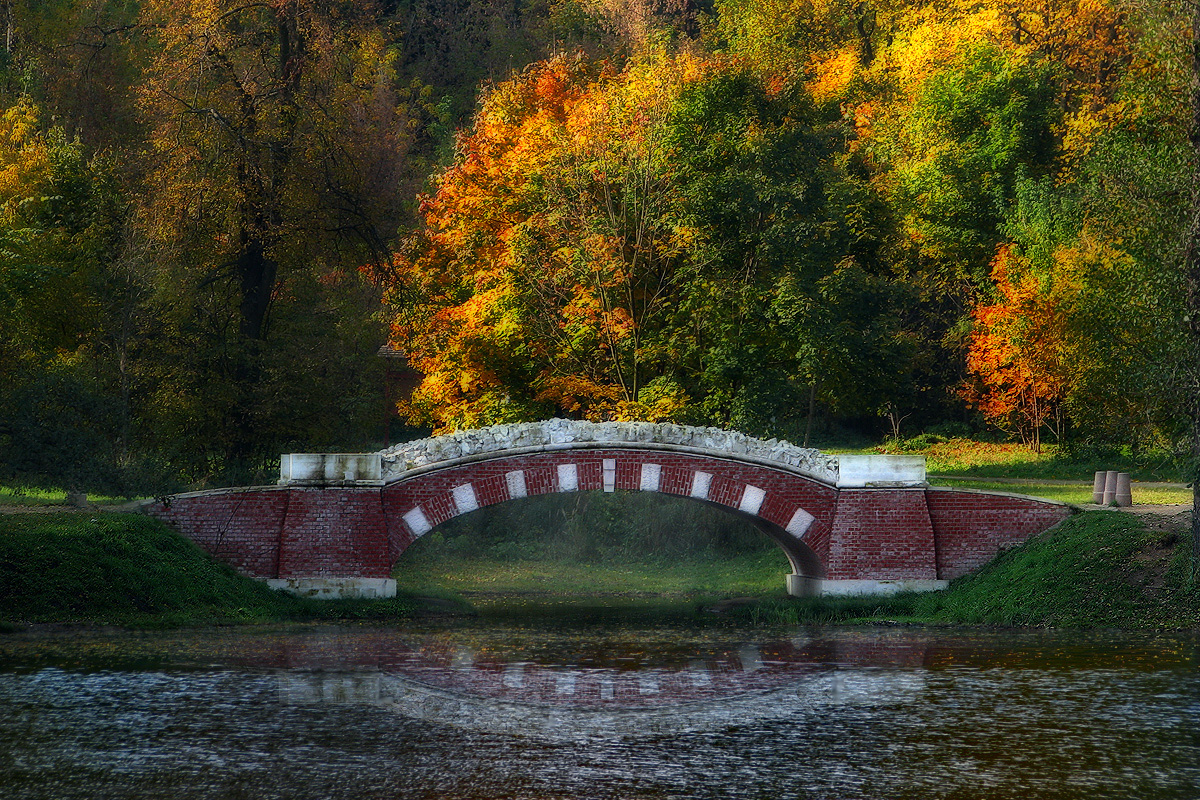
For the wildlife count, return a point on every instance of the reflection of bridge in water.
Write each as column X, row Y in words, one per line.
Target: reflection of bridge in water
column 457, row 685
column 336, row 524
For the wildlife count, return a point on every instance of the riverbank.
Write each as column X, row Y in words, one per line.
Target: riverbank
column 1101, row 568
column 1098, row 569
column 98, row 568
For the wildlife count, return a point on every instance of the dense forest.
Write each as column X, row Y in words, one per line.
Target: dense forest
column 781, row 216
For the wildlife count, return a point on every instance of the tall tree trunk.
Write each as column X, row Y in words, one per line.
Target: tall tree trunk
column 257, row 272
column 1191, row 266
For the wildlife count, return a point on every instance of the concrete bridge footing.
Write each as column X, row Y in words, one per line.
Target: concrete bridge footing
column 328, row 588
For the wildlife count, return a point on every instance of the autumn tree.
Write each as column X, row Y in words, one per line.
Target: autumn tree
column 64, row 306
column 671, row 241
column 1017, row 354
column 548, row 251
column 279, row 136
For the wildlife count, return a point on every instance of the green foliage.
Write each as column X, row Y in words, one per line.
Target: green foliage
column 780, row 216
column 976, row 130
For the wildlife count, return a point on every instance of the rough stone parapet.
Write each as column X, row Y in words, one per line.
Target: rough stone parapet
column 561, row 433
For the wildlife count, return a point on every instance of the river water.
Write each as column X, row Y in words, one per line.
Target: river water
column 558, row 709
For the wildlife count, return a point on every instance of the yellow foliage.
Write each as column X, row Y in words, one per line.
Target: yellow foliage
column 931, row 38
column 833, row 73
column 24, row 156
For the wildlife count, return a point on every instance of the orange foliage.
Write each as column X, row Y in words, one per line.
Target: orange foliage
column 1017, row 354
column 544, row 250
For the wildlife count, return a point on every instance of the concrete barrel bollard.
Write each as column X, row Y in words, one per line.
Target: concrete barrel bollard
column 1098, row 487
column 1110, row 488
column 1123, row 495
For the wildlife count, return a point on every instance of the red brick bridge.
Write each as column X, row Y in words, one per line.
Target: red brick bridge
column 336, row 524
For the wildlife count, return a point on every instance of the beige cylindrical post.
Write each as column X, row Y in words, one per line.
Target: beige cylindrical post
column 1110, row 488
column 1098, row 487
column 1123, row 495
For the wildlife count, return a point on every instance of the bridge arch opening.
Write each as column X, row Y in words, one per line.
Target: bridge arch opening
column 615, row 538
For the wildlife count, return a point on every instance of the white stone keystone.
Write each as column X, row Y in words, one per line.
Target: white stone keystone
column 752, row 499
column 610, row 474
column 568, row 477
column 465, row 499
column 800, row 523
column 700, row 483
column 416, row 522
column 565, row 683
column 651, row 475
column 516, row 483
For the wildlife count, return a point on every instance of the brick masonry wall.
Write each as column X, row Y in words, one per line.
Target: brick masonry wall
column 286, row 532
column 972, row 528
column 240, row 527
column 879, row 534
column 334, row 533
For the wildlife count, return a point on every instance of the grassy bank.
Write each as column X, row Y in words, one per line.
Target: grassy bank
column 127, row 569
column 1097, row 569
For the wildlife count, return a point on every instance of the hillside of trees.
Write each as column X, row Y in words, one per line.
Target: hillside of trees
column 774, row 215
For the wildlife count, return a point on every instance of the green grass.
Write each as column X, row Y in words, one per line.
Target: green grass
column 490, row 581
column 1097, row 569
column 18, row 496
column 132, row 570
column 959, row 456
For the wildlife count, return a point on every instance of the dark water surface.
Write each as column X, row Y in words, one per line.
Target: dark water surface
column 556, row 710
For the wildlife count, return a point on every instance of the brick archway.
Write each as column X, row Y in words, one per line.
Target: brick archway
column 792, row 510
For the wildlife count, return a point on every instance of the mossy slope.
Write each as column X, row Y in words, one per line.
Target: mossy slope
column 1096, row 569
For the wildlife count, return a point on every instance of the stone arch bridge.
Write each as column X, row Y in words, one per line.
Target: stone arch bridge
column 336, row 524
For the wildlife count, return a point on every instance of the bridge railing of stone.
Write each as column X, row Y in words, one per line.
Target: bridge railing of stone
column 558, row 434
